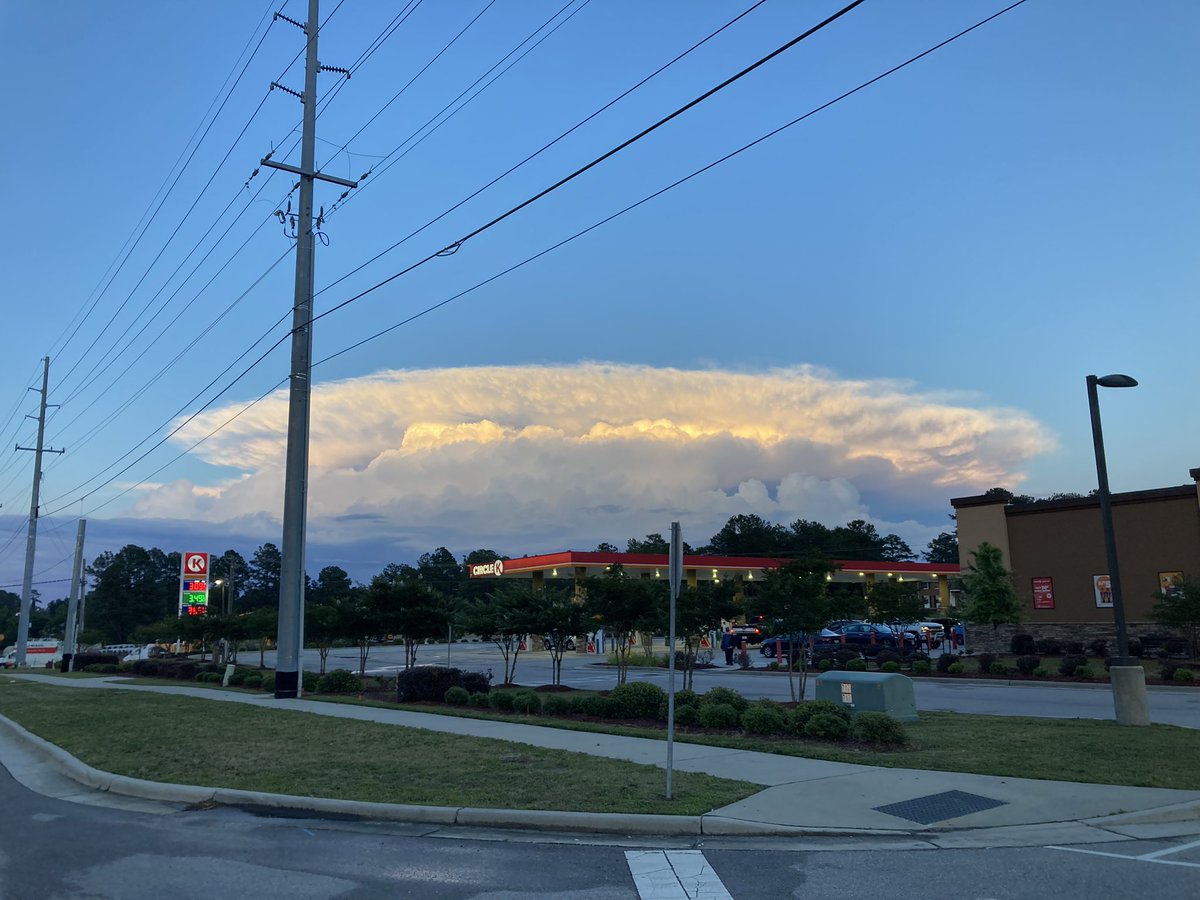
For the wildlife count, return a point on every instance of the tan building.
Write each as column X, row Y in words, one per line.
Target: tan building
column 1055, row 551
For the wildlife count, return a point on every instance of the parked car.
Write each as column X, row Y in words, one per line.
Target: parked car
column 771, row 646
column 748, row 632
column 859, row 634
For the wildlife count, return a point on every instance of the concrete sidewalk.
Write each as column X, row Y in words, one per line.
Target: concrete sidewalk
column 802, row 796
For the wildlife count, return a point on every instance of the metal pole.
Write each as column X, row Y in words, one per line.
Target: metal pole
column 674, row 576
column 31, row 540
column 295, row 495
column 73, row 599
column 1110, row 541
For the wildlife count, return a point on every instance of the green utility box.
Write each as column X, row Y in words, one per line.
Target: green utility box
column 886, row 692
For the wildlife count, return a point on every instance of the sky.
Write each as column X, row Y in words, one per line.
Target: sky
column 890, row 303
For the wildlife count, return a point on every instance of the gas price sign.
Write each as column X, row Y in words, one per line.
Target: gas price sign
column 193, row 584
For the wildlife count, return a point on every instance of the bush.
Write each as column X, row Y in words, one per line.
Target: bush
column 600, row 707
column 1027, row 664
column 1084, row 672
column 637, row 700
column 944, row 662
column 1041, row 672
column 309, row 682
column 998, row 668
column 888, row 656
column 1167, row 670
column 726, row 696
column 890, row 666
column 805, row 711
column 826, row 664
column 1135, row 648
column 827, row 727
column 1049, row 647
column 1022, row 645
column 956, row 668
column 1075, row 648
column 213, row 678
column 856, row 665
column 718, row 715
column 81, row 661
column 764, row 717
column 339, row 681
column 844, row 656
column 921, row 667
column 985, row 662
column 430, row 683
column 1070, row 663
column 527, row 702
column 144, row 668
column 1182, row 674
column 1176, row 647
column 237, row 679
column 557, row 705
column 687, row 715
column 102, row 668
column 1099, row 647
column 480, row 700
column 878, row 730
column 457, row 696
column 686, row 697
column 268, row 680
column 501, row 700
column 252, row 681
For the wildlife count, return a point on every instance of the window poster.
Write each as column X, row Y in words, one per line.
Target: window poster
column 1170, row 583
column 1102, row 584
column 1043, row 593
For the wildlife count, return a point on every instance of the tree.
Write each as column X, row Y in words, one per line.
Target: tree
column 807, row 538
column 262, row 578
column 263, row 624
column 988, row 589
column 699, row 610
column 857, row 539
column 893, row 548
column 441, row 572
column 622, row 606
column 10, row 605
column 894, row 601
column 503, row 618
column 942, row 549
column 606, row 547
column 795, row 603
column 406, row 606
column 332, row 587
column 554, row 613
column 323, row 626
column 133, row 587
column 231, row 570
column 1180, row 608
column 748, row 535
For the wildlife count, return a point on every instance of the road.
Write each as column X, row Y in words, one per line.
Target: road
column 1168, row 705
column 52, row 848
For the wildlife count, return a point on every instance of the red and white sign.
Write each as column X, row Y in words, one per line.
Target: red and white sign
column 496, row 567
column 195, row 564
column 1043, row 593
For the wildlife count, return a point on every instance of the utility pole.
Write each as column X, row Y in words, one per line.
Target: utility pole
column 31, row 542
column 69, row 648
column 290, row 636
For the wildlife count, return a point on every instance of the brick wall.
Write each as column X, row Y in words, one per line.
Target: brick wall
column 985, row 639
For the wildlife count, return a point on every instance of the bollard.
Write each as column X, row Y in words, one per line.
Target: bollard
column 229, row 669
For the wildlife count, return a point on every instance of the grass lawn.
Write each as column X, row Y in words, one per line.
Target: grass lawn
column 183, row 740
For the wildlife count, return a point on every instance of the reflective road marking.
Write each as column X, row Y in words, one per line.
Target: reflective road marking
column 674, row 875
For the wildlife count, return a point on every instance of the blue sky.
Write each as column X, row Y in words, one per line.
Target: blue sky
column 889, row 304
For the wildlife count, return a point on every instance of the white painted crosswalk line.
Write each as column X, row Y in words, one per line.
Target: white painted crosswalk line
column 674, row 875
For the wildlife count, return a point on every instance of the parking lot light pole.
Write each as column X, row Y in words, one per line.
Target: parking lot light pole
column 1128, row 680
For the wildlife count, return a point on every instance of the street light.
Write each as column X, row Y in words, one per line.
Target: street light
column 1128, row 680
column 219, row 582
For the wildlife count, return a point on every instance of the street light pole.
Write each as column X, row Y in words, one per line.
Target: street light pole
column 1128, row 679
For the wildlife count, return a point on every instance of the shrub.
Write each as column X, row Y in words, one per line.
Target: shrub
column 81, row 661
column 501, row 700
column 556, row 705
column 856, row 665
column 764, row 717
column 339, row 681
column 268, row 680
column 890, row 666
column 1075, row 648
column 1027, row 664
column 1167, row 669
column 527, row 702
column 956, row 668
column 214, row 678
column 457, row 696
column 1049, row 647
column 878, row 730
column 1070, row 663
column 921, row 667
column 1099, row 647
column 309, row 682
column 1182, row 674
column 827, row 727
column 600, row 707
column 237, row 679
column 687, row 715
column 871, row 651
column 686, row 697
column 985, row 662
column 773, row 666
column 637, row 700
column 480, row 700
column 1176, row 647
column 998, row 668
column 726, row 696
column 1041, row 672
column 888, row 656
column 430, row 683
column 826, row 664
column 805, row 711
column 718, row 715
column 1084, row 672
column 944, row 662
column 1022, row 645
column 844, row 656
column 252, row 681
column 145, row 668
column 1135, row 648
column 101, row 668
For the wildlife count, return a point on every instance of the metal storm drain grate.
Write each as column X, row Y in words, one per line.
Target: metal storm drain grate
column 939, row 807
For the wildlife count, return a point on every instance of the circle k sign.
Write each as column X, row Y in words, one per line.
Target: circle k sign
column 195, row 563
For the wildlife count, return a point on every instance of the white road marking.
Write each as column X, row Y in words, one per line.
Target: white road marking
column 1167, row 851
column 1148, row 858
column 674, row 875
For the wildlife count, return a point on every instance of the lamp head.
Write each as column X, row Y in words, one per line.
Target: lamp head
column 1116, row 381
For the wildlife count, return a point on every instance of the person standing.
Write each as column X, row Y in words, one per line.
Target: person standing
column 727, row 645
